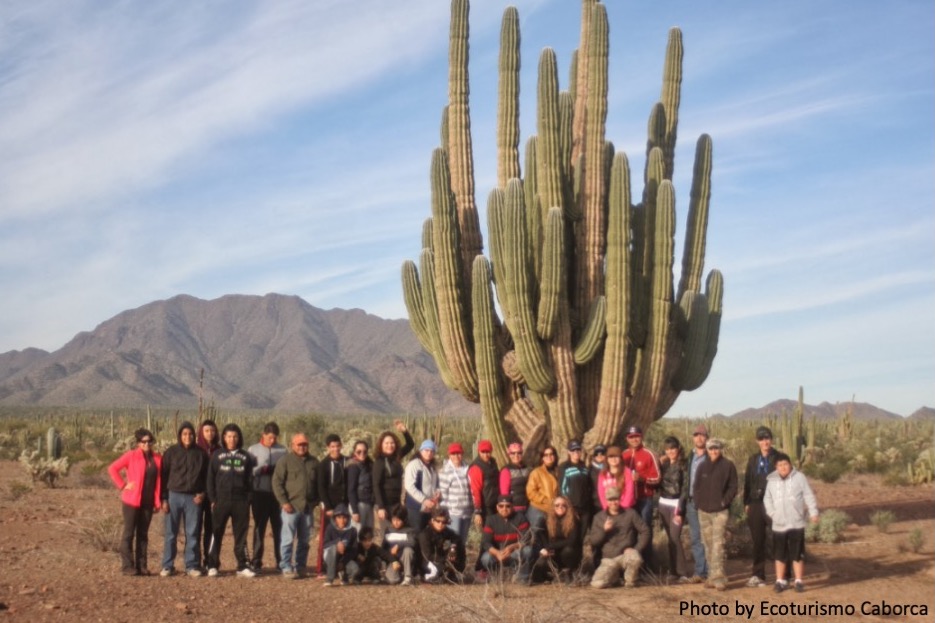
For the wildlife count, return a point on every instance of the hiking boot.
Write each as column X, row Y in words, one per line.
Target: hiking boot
column 799, row 586
column 755, row 582
column 779, row 587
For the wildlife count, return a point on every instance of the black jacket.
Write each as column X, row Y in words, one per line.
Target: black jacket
column 387, row 476
column 574, row 482
column 230, row 476
column 332, row 482
column 184, row 470
column 359, row 483
column 673, row 482
column 715, row 485
column 436, row 547
column 754, row 484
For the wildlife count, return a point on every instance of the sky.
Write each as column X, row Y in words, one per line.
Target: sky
column 211, row 148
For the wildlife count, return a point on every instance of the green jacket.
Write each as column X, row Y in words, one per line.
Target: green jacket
column 294, row 482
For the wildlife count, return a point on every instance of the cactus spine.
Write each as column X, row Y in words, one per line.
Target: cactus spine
column 595, row 336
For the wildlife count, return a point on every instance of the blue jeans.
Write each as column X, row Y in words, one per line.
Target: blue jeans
column 296, row 526
column 701, row 563
column 521, row 559
column 461, row 525
column 182, row 506
column 644, row 508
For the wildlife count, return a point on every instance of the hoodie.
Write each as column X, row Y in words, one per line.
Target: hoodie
column 455, row 489
column 230, row 473
column 789, row 501
column 184, row 470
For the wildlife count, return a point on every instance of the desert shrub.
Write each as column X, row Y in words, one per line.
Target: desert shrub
column 94, row 476
column 883, row 519
column 896, row 477
column 42, row 469
column 18, row 490
column 830, row 527
column 101, row 533
column 916, row 540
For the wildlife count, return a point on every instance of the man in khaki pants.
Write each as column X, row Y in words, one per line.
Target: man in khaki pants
column 619, row 534
column 715, row 487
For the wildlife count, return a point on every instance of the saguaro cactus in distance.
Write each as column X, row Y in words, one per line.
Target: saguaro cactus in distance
column 595, row 335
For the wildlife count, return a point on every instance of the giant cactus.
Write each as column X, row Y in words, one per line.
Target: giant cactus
column 595, row 335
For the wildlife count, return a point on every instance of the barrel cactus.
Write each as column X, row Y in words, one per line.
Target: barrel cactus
column 595, row 334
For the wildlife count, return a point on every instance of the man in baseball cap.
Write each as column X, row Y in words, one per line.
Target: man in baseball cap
column 698, row 455
column 644, row 465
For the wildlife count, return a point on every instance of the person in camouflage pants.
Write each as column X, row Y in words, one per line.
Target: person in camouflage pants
column 714, row 489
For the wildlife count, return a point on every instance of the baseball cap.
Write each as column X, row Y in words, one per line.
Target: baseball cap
column 484, row 446
column 455, row 448
column 634, row 430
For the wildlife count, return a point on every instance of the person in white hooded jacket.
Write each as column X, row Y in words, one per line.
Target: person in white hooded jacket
column 456, row 491
column 790, row 504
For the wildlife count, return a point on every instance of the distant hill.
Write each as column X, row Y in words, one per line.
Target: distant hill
column 824, row 411
column 266, row 352
column 925, row 414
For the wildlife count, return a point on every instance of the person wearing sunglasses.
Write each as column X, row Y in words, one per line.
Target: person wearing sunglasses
column 360, row 486
column 442, row 550
column 514, row 476
column 507, row 542
column 574, row 482
column 542, row 487
column 140, row 485
column 559, row 545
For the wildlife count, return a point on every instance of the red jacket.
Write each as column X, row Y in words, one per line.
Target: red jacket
column 647, row 466
column 134, row 465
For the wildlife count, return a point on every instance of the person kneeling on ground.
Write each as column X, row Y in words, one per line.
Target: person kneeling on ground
column 368, row 559
column 442, row 549
column 400, row 542
column 340, row 547
column 620, row 534
column 789, row 502
column 507, row 541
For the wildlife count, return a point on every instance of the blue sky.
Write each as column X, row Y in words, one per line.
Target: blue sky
column 208, row 148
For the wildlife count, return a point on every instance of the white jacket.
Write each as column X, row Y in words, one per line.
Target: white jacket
column 789, row 501
column 420, row 481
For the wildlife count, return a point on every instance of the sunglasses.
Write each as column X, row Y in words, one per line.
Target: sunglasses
column 516, row 454
column 146, row 441
column 360, row 452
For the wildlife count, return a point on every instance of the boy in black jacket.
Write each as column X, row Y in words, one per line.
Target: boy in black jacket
column 340, row 544
column 230, row 484
column 442, row 549
column 400, row 541
column 184, row 477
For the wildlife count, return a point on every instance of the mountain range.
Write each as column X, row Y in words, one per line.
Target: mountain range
column 262, row 352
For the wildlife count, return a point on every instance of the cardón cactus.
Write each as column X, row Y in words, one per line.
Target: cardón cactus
column 595, row 335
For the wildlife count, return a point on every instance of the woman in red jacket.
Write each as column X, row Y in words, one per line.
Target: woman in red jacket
column 139, row 486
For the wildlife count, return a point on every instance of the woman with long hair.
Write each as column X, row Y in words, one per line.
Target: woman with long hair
column 615, row 475
column 542, row 487
column 560, row 547
column 360, row 486
column 140, row 487
column 388, row 470
column 673, row 497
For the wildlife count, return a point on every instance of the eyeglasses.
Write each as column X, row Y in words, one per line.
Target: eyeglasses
column 360, row 452
column 516, row 454
column 146, row 441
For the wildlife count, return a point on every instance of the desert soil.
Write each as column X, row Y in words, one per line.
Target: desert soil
column 50, row 571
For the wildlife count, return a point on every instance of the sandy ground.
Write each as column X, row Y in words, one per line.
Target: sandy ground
column 50, row 571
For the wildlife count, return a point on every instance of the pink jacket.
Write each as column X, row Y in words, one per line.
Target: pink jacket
column 627, row 494
column 134, row 465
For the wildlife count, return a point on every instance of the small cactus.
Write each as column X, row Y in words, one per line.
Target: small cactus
column 53, row 444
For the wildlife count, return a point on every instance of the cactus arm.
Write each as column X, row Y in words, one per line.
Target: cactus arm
column 412, row 295
column 533, row 209
column 671, row 96
column 430, row 311
column 593, row 334
column 460, row 149
column 615, row 370
column 488, row 373
column 693, row 254
column 553, row 275
column 548, row 158
column 452, row 315
column 508, row 102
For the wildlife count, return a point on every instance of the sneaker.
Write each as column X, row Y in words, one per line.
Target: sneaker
column 328, row 583
column 721, row 586
column 290, row 575
column 166, row 573
column 337, row 582
column 799, row 586
column 194, row 573
column 212, row 572
column 779, row 587
column 246, row 572
column 697, row 579
column 407, row 581
column 755, row 582
column 685, row 580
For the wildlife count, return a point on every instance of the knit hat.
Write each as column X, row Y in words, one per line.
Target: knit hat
column 428, row 444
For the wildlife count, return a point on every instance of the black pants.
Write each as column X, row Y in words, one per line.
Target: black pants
column 238, row 511
column 135, row 532
column 208, row 529
column 265, row 511
column 758, row 521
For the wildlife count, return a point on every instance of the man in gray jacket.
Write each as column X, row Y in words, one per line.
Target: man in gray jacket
column 296, row 489
column 265, row 508
column 789, row 502
column 620, row 534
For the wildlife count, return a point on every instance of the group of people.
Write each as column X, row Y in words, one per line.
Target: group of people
column 385, row 520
